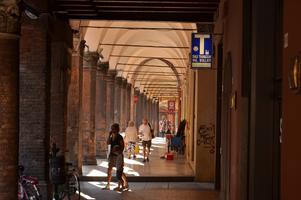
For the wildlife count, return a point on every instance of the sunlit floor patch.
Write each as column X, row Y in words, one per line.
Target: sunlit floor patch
column 95, row 172
column 155, row 167
column 133, row 161
column 85, row 196
column 103, row 185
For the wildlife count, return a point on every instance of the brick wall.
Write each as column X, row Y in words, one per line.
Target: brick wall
column 33, row 94
column 43, row 64
column 8, row 117
column 34, row 91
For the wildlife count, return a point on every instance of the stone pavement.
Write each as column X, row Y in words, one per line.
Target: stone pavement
column 158, row 179
column 150, row 191
column 157, row 167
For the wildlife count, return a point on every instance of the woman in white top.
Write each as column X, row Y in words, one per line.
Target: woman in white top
column 145, row 131
column 131, row 136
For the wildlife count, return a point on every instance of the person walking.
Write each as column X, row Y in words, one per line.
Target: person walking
column 131, row 135
column 119, row 167
column 115, row 139
column 145, row 131
column 162, row 126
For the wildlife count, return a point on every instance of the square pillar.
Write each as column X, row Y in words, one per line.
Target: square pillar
column 9, row 100
column 88, row 107
column 117, row 100
column 100, row 110
column 110, row 98
column 74, row 101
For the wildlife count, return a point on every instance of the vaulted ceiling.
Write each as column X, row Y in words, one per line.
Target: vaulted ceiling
column 145, row 53
column 147, row 42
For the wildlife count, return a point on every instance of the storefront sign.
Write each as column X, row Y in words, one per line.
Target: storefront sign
column 201, row 51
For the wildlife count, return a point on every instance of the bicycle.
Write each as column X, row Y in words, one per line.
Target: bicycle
column 28, row 187
column 65, row 179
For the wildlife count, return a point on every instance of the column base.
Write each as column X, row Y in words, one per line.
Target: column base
column 90, row 161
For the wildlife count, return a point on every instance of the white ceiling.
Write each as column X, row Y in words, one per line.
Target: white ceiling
column 98, row 33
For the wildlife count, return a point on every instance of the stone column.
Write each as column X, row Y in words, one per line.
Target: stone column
column 140, row 109
column 152, row 112
column 110, row 97
column 74, row 101
column 149, row 110
column 9, row 99
column 117, row 100
column 129, row 102
column 136, row 107
column 144, row 105
column 88, row 107
column 157, row 114
column 100, row 110
column 123, row 107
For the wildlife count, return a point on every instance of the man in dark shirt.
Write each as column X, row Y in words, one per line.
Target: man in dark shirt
column 115, row 139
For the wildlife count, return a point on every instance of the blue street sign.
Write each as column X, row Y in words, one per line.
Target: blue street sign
column 201, row 50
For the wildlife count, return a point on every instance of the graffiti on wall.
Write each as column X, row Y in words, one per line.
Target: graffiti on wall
column 207, row 137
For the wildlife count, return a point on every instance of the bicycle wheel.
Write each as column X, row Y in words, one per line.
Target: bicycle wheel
column 60, row 194
column 74, row 186
column 32, row 191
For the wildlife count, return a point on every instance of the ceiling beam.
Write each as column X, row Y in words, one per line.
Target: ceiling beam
column 144, row 46
column 156, row 84
column 201, row 11
column 141, row 28
column 156, row 80
column 137, row 2
column 145, row 65
column 172, row 88
column 153, row 72
column 147, row 57
column 138, row 74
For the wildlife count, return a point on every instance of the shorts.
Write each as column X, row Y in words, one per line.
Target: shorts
column 112, row 161
column 147, row 144
column 116, row 161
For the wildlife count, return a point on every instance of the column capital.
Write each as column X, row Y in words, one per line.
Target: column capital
column 118, row 80
column 124, row 82
column 110, row 76
column 9, row 18
column 136, row 91
column 129, row 86
column 90, row 59
column 103, row 67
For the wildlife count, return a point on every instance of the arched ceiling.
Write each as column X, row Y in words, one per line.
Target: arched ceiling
column 151, row 55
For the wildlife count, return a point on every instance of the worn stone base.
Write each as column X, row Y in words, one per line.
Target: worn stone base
column 90, row 161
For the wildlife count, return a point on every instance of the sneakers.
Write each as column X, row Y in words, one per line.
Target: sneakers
column 125, row 187
column 143, row 160
column 118, row 189
column 147, row 159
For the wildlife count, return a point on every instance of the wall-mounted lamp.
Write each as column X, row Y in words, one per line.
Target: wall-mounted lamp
column 29, row 11
column 294, row 76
